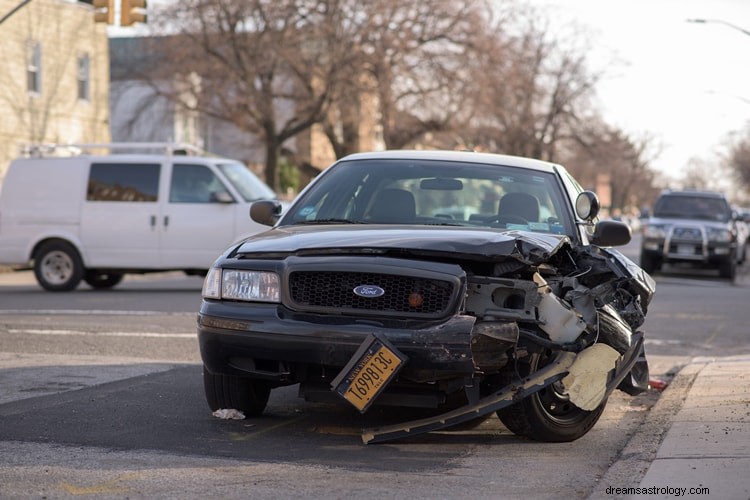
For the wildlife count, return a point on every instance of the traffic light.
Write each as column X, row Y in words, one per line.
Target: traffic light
column 104, row 11
column 132, row 11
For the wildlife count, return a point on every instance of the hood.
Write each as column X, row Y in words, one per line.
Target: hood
column 482, row 244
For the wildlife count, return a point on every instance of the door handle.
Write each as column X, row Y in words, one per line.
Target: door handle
column 166, row 221
column 153, row 221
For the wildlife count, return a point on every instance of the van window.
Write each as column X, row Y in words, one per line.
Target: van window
column 193, row 184
column 123, row 182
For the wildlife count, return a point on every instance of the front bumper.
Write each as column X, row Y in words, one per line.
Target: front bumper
column 281, row 346
column 672, row 250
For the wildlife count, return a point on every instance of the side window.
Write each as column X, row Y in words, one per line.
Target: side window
column 194, row 184
column 123, row 182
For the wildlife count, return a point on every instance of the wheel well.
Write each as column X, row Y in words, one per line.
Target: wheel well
column 43, row 242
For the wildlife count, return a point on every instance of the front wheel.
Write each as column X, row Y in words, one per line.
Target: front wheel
column 239, row 393
column 728, row 267
column 548, row 415
column 57, row 266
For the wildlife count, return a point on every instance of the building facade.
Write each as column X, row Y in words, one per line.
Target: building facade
column 54, row 76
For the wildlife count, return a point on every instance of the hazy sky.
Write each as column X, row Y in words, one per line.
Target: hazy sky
column 687, row 84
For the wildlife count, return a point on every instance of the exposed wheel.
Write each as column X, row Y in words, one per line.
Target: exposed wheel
column 548, row 415
column 57, row 266
column 238, row 393
column 649, row 263
column 102, row 280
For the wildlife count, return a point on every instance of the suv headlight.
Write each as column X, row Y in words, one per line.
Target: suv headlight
column 655, row 231
column 718, row 234
column 235, row 284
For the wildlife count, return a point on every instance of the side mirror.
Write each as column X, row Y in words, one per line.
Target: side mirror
column 587, row 205
column 265, row 212
column 611, row 233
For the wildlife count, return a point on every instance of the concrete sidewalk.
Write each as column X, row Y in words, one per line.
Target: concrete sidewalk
column 696, row 441
column 706, row 451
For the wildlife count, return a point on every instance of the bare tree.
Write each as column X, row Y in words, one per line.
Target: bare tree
column 739, row 158
column 268, row 67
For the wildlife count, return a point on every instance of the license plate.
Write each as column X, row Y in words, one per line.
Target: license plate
column 686, row 249
column 372, row 367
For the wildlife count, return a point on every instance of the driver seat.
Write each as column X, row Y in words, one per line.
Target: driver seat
column 519, row 204
column 393, row 205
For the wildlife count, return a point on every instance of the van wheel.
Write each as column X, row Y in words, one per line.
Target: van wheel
column 102, row 280
column 57, row 266
column 239, row 393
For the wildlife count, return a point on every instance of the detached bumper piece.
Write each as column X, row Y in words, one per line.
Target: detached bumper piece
column 508, row 395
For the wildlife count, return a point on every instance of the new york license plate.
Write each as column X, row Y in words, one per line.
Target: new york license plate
column 372, row 367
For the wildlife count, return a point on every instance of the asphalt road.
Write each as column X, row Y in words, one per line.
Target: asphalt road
column 101, row 396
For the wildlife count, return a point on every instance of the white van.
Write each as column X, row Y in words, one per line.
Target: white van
column 95, row 217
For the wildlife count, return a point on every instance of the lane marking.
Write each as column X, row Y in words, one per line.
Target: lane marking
column 104, row 334
column 94, row 312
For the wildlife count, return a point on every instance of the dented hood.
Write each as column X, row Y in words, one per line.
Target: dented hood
column 483, row 244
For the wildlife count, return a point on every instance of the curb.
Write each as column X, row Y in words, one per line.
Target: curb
column 634, row 460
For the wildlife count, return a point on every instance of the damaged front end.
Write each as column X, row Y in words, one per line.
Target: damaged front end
column 556, row 332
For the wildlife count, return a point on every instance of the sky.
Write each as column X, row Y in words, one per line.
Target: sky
column 686, row 84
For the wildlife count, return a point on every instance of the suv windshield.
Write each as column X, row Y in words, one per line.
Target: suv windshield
column 692, row 207
column 429, row 192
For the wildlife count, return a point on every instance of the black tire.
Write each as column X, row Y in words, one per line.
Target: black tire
column 57, row 266
column 728, row 268
column 245, row 394
column 649, row 263
column 100, row 280
column 548, row 415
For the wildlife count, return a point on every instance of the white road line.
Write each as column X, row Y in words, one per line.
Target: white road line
column 105, row 334
column 94, row 312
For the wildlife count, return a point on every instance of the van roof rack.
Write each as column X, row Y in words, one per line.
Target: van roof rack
column 169, row 148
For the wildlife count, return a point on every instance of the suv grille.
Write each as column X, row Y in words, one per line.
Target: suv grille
column 687, row 233
column 404, row 295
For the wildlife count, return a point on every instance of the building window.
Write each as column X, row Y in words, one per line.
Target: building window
column 83, row 78
column 34, row 68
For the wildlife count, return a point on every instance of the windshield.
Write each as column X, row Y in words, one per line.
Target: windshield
column 250, row 187
column 431, row 192
column 692, row 207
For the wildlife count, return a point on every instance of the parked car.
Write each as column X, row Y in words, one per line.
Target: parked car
column 696, row 228
column 95, row 217
column 367, row 292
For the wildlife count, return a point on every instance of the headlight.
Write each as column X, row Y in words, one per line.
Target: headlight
column 718, row 234
column 234, row 284
column 654, row 231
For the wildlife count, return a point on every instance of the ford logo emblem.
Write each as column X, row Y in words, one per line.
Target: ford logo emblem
column 368, row 291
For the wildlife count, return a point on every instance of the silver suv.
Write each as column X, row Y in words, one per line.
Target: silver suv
column 696, row 228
